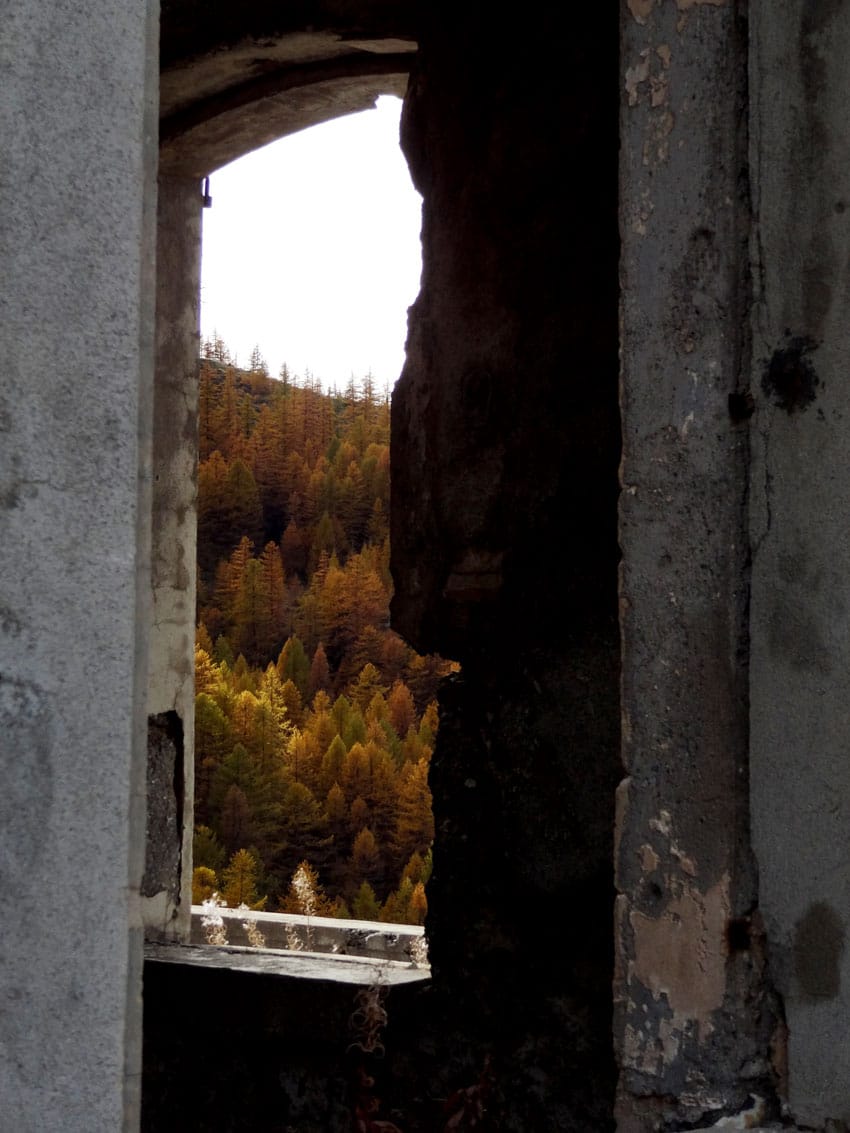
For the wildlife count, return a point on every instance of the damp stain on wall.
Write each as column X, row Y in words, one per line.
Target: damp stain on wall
column 789, row 378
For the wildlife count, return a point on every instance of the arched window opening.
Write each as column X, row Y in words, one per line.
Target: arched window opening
column 314, row 722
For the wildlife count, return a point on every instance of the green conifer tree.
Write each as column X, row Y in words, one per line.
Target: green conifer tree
column 240, row 882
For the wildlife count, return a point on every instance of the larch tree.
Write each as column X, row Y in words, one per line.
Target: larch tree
column 240, row 882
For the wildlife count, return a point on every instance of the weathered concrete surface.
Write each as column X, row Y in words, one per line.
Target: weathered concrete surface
column 505, row 444
column 171, row 668
column 77, row 209
column 800, row 669
column 692, row 1023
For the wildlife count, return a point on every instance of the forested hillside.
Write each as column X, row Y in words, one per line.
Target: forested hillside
column 314, row 722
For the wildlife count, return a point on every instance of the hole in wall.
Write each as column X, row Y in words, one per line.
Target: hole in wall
column 164, row 835
column 738, row 931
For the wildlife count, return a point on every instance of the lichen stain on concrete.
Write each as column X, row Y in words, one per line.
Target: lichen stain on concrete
column 681, row 955
column 819, row 938
column 789, row 377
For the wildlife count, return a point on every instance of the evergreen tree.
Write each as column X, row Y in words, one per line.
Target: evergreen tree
column 204, row 884
column 207, row 851
column 320, row 674
column 414, row 829
column 366, row 864
column 396, row 908
column 240, row 882
column 294, row 665
column 332, row 763
column 306, row 895
column 365, row 906
column 279, row 768
column 304, row 827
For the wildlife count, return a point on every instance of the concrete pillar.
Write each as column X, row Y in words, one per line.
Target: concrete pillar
column 77, row 210
column 505, row 445
column 167, row 885
column 800, row 504
column 691, row 1026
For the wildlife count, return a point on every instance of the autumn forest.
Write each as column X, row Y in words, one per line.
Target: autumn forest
column 314, row 722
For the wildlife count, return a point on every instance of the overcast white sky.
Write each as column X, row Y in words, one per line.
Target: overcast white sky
column 311, row 250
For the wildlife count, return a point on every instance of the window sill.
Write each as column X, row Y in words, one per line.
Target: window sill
column 326, row 966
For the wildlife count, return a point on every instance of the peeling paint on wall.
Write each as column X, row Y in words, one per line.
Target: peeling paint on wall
column 660, row 125
column 681, row 956
column 676, row 969
column 635, row 75
column 641, row 72
column 649, row 860
column 640, row 9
